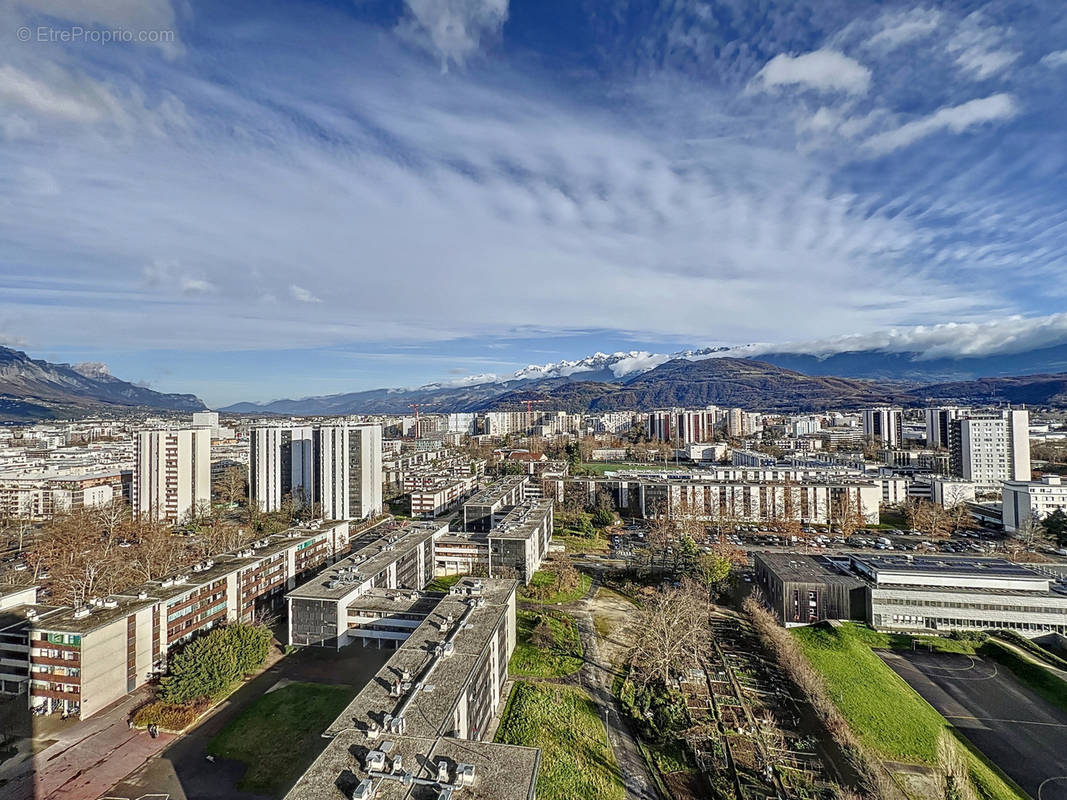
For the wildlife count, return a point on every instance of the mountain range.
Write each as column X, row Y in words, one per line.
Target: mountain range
column 623, row 381
column 31, row 389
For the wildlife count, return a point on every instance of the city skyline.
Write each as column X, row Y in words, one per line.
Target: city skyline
column 406, row 193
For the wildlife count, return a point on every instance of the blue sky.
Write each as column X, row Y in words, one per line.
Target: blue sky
column 285, row 200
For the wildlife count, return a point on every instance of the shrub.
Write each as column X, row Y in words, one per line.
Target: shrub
column 169, row 716
column 207, row 667
column 970, row 637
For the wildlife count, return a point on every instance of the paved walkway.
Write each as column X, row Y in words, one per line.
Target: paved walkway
column 85, row 759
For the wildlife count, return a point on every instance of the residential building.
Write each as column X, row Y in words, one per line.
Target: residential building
column 989, row 448
column 81, row 659
column 479, row 511
column 748, row 495
column 172, row 473
column 422, row 720
column 1026, row 500
column 349, row 471
column 939, row 424
column 281, row 463
column 884, row 425
column 337, row 468
column 392, row 559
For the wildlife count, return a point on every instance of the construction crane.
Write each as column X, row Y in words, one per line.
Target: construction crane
column 416, row 406
column 530, row 403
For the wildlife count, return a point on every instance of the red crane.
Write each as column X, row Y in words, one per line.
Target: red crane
column 531, row 403
column 416, row 407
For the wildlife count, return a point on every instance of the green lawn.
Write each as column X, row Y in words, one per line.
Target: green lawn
column 576, row 543
column 442, row 584
column 884, row 712
column 544, row 577
column 564, row 657
column 576, row 761
column 280, row 734
column 901, row 641
column 890, row 519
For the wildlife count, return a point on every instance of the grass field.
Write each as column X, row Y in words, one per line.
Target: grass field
column 576, row 762
column 442, row 584
column 885, row 713
column 883, row 710
column 279, row 735
column 545, row 578
column 900, row 641
column 564, row 657
column 576, row 543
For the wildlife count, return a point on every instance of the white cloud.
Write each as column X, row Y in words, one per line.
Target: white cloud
column 979, row 48
column 196, row 286
column 56, row 94
column 302, row 295
column 452, row 29
column 900, row 28
column 956, row 119
column 822, row 70
column 1015, row 334
column 135, row 16
column 79, row 100
column 1057, row 58
column 638, row 362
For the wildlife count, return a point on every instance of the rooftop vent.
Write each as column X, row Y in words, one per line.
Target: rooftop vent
column 82, row 612
column 442, row 771
column 465, row 775
column 374, row 761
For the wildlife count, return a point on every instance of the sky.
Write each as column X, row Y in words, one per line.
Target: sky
column 255, row 200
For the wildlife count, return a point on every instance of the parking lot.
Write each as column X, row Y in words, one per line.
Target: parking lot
column 626, row 540
column 1016, row 729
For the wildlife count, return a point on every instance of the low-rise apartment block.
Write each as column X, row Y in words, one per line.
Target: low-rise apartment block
column 82, row 659
column 478, row 512
column 1026, row 500
column 417, row 729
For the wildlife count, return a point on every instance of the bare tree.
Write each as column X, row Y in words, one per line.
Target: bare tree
column 158, row 552
column 231, row 485
column 669, row 642
column 928, row 518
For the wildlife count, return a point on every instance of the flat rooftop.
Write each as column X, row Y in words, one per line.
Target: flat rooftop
column 396, row 601
column 523, row 520
column 501, row 772
column 430, row 711
column 945, row 565
column 493, row 494
column 808, row 569
column 372, row 555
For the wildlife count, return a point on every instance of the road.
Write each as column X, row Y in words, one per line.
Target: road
column 1015, row 728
